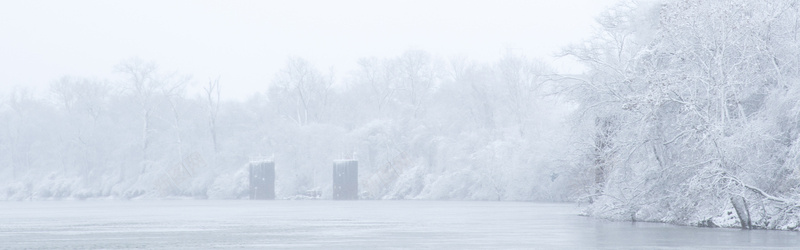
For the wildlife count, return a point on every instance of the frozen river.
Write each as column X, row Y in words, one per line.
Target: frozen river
column 193, row 224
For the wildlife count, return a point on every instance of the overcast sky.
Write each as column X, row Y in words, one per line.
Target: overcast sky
column 246, row 42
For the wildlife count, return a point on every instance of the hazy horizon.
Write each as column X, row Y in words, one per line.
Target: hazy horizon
column 680, row 112
column 246, row 42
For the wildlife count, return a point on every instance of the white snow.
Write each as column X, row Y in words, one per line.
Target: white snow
column 348, row 225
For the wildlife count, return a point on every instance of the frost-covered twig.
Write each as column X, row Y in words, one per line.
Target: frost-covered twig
column 759, row 191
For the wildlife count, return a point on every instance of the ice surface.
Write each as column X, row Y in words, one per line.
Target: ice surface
column 191, row 224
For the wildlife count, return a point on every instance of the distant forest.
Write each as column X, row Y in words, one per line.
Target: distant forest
column 689, row 113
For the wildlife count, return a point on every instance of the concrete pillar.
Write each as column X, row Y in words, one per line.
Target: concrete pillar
column 262, row 180
column 345, row 180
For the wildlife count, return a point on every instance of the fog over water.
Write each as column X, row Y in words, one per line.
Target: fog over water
column 476, row 114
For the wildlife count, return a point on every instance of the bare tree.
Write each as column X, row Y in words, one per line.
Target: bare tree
column 21, row 103
column 174, row 90
column 522, row 80
column 303, row 88
column 82, row 98
column 140, row 80
column 212, row 98
column 147, row 86
column 416, row 75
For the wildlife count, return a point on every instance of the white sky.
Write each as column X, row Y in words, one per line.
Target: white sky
column 246, row 42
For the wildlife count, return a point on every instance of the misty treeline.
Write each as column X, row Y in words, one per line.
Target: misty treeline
column 421, row 127
column 688, row 113
column 691, row 113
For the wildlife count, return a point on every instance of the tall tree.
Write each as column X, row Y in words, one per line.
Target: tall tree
column 685, row 82
column 303, row 89
column 212, row 98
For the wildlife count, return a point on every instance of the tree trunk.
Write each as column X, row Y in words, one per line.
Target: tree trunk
column 740, row 205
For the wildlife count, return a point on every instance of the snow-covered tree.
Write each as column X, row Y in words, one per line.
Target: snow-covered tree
column 687, row 86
